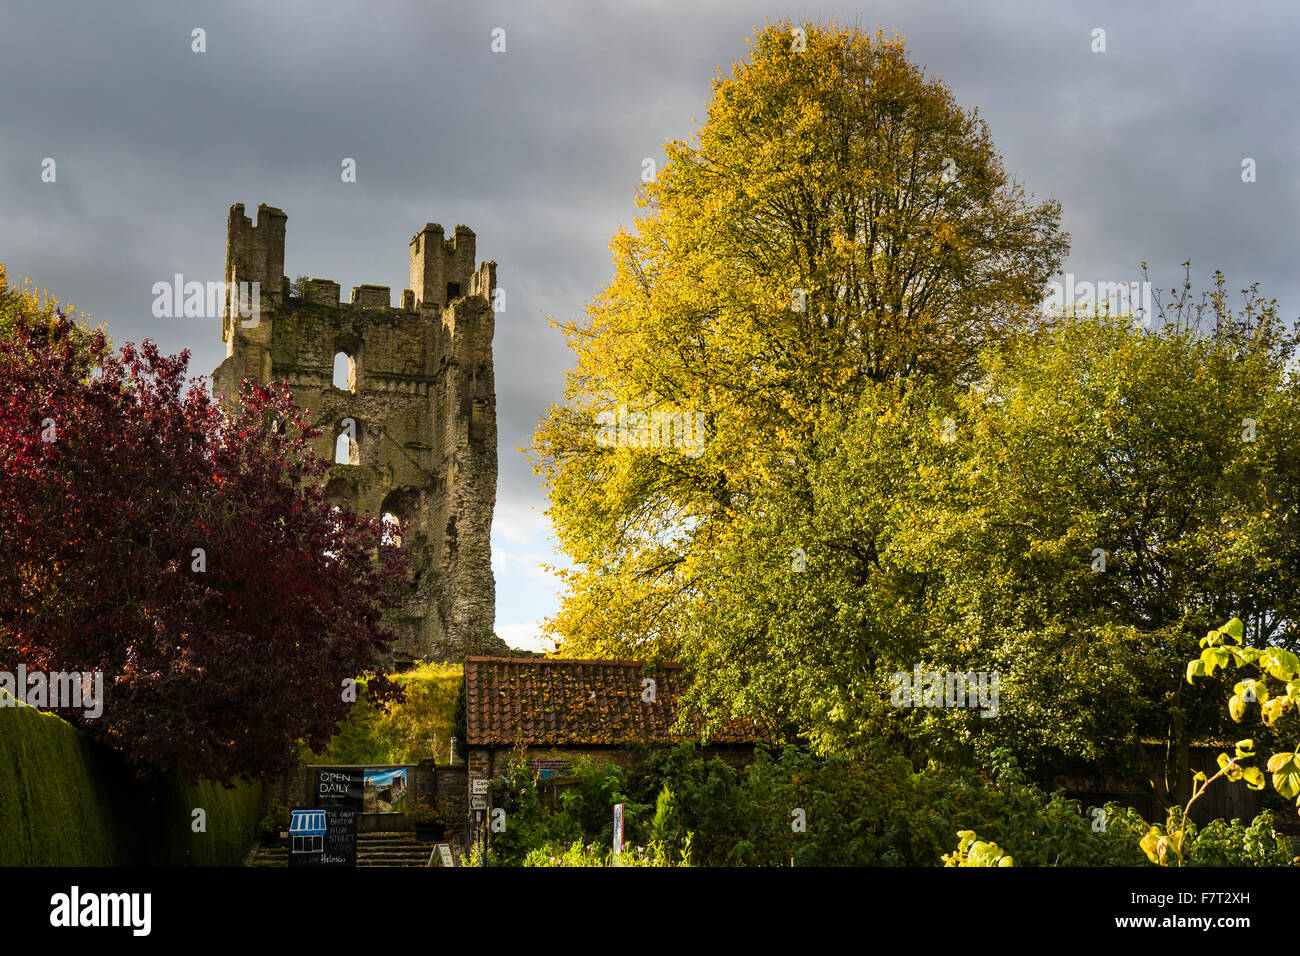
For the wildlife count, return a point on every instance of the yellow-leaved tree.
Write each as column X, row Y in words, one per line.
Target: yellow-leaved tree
column 840, row 225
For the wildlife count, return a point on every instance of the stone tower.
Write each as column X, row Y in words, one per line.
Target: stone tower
column 422, row 405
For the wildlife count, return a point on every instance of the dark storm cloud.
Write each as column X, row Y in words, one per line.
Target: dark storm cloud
column 539, row 149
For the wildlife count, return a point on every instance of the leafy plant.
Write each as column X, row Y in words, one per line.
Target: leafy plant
column 1222, row 647
column 275, row 820
column 972, row 851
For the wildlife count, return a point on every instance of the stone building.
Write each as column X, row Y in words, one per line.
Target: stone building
column 412, row 429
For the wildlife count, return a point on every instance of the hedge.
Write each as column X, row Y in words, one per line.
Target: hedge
column 66, row 801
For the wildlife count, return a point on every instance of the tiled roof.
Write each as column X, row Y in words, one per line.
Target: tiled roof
column 569, row 702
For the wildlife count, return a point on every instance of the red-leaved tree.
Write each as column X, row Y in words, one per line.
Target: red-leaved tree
column 188, row 556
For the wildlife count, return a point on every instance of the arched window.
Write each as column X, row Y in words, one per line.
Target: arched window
column 347, row 443
column 345, row 372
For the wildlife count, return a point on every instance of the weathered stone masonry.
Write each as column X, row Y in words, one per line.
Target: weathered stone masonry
column 421, row 395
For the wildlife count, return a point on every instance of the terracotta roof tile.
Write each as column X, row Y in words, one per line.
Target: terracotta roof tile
column 567, row 702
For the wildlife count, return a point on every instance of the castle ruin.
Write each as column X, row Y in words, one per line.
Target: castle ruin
column 415, row 425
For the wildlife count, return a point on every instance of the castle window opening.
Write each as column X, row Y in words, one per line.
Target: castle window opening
column 346, row 451
column 453, row 292
column 345, row 372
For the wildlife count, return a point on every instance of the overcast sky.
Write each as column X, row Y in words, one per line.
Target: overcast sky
column 539, row 149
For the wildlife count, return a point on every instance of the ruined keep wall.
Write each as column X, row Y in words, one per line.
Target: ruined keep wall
column 422, row 401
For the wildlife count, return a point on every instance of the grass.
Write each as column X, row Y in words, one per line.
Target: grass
column 416, row 729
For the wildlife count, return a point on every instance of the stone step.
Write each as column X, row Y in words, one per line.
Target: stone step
column 394, row 851
column 391, row 863
column 373, row 850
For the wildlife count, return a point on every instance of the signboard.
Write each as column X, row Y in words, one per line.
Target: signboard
column 618, row 828
column 479, row 786
column 444, row 855
column 478, row 803
column 322, row 837
column 385, row 791
column 545, row 769
column 340, row 838
column 340, row 789
column 363, row 789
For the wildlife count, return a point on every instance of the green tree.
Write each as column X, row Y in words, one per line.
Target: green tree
column 962, row 530
column 841, row 223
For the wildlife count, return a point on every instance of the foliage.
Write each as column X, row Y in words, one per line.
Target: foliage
column 1222, row 647
column 1219, row 843
column 1232, row 843
column 840, row 224
column 404, row 730
column 877, row 812
column 980, row 553
column 972, row 851
column 592, row 854
column 902, row 475
column 275, row 819
column 189, row 556
column 40, row 308
column 584, row 805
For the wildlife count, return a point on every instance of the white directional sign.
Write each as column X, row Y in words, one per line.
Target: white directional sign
column 479, row 786
column 478, row 803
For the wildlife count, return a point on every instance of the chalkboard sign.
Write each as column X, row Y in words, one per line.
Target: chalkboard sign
column 340, row 838
column 323, row 837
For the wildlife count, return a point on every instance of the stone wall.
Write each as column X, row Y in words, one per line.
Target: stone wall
column 451, row 802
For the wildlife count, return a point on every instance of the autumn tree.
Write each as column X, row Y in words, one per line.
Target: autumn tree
column 188, row 556
column 840, row 224
column 1074, row 522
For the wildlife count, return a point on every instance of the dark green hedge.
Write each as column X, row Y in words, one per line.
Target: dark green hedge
column 65, row 801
